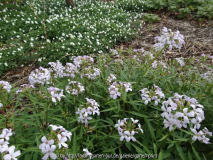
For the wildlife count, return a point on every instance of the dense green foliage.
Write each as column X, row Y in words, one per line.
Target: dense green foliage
column 31, row 111
column 88, row 28
column 194, row 8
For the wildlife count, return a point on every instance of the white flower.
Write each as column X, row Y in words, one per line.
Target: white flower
column 57, row 69
column 5, row 85
column 66, row 134
column 134, row 121
column 87, row 152
column 3, row 145
column 39, row 76
column 54, row 127
column 196, row 123
column 111, row 78
column 61, row 141
column 45, row 142
column 12, row 154
column 197, row 135
column 122, row 136
column 48, row 151
column 55, row 94
column 129, row 136
column 6, row 133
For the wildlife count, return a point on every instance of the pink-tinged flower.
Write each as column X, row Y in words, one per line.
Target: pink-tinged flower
column 48, row 151
column 134, row 121
column 45, row 142
column 139, row 127
column 197, row 135
column 205, row 140
column 12, row 155
column 206, row 131
column 61, row 141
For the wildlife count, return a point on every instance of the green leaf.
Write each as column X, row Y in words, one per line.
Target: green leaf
column 139, row 150
column 155, row 148
column 164, row 137
column 160, row 156
column 74, row 143
column 109, row 109
column 189, row 156
column 196, row 153
column 138, row 114
column 150, row 128
column 180, row 151
column 145, row 148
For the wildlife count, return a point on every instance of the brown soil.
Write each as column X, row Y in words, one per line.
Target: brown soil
column 198, row 39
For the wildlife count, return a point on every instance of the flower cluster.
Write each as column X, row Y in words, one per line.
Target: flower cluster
column 82, row 60
column 55, row 142
column 55, row 93
column 24, row 87
column 75, row 88
column 180, row 61
column 70, row 70
column 115, row 89
column 208, row 76
column 91, row 72
column 8, row 152
column 148, row 54
column 91, row 108
column 180, row 111
column 40, row 76
column 111, row 78
column 155, row 94
column 5, row 85
column 201, row 135
column 57, row 69
column 127, row 128
column 172, row 39
column 113, row 51
column 156, row 63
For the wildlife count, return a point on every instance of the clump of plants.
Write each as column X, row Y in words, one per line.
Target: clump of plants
column 114, row 103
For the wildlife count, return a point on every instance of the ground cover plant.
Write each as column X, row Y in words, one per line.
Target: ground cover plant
column 44, row 31
column 182, row 8
column 122, row 102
